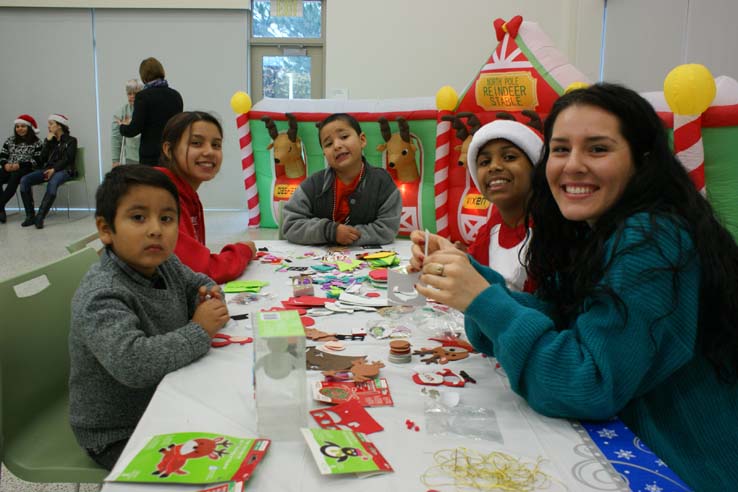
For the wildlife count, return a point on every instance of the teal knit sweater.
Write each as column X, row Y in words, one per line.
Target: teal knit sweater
column 645, row 368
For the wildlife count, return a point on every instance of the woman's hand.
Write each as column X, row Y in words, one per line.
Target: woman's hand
column 435, row 243
column 449, row 277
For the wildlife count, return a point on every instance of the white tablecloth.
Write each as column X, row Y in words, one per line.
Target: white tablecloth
column 215, row 394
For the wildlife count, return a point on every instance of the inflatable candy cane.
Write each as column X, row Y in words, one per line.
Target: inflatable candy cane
column 689, row 91
column 249, row 170
column 446, row 101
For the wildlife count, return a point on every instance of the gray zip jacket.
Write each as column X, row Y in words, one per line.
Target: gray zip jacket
column 374, row 209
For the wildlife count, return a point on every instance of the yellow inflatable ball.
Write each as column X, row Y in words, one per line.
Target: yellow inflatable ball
column 446, row 98
column 689, row 89
column 576, row 85
column 240, row 102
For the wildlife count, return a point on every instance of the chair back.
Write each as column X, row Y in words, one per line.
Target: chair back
column 79, row 163
column 34, row 353
column 92, row 240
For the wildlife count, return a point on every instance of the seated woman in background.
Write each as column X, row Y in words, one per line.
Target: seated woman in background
column 500, row 161
column 191, row 155
column 125, row 149
column 19, row 156
column 57, row 167
column 635, row 310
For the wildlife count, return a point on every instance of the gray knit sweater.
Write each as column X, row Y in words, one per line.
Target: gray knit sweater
column 126, row 335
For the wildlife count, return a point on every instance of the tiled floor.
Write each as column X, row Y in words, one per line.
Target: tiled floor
column 24, row 248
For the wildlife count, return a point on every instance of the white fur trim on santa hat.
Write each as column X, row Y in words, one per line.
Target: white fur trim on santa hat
column 26, row 119
column 59, row 118
column 523, row 136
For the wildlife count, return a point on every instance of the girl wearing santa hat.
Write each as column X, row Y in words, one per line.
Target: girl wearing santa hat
column 19, row 156
column 57, row 167
column 501, row 157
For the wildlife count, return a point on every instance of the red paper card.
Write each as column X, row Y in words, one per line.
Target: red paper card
column 372, row 393
column 346, row 416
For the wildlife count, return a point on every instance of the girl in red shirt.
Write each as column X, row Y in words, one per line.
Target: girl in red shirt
column 192, row 154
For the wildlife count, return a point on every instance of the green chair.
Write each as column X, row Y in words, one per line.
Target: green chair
column 79, row 164
column 34, row 370
column 92, row 240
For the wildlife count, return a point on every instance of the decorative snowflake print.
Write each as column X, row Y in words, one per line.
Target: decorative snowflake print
column 624, row 454
column 607, row 433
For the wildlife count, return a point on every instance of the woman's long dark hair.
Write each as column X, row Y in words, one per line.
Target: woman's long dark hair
column 567, row 258
column 30, row 137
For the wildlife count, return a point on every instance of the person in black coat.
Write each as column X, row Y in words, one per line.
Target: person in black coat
column 152, row 108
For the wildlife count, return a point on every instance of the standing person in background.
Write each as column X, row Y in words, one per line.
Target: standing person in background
column 19, row 156
column 125, row 150
column 152, row 108
column 191, row 155
column 57, row 167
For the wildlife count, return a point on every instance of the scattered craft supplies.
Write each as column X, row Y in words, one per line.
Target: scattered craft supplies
column 372, row 393
column 346, row 416
column 467, row 469
column 192, row 457
column 344, row 451
column 244, row 286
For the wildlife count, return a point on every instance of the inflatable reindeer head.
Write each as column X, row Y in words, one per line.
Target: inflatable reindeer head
column 287, row 147
column 463, row 132
column 400, row 150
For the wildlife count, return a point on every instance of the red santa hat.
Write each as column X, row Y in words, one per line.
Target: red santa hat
column 27, row 119
column 524, row 137
column 59, row 118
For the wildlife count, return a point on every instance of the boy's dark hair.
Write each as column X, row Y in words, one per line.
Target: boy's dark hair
column 353, row 123
column 175, row 128
column 120, row 180
column 150, row 69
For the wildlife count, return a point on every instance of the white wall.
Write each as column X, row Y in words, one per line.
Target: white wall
column 204, row 56
column 391, row 48
column 646, row 39
column 48, row 66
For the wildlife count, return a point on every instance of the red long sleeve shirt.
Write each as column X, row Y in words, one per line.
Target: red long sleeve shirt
column 225, row 266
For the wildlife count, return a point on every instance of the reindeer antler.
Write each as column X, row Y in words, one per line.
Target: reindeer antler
column 385, row 128
column 474, row 124
column 271, row 127
column 292, row 130
column 472, row 121
column 404, row 129
column 535, row 119
column 504, row 115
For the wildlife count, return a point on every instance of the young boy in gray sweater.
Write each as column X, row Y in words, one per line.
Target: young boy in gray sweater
column 137, row 315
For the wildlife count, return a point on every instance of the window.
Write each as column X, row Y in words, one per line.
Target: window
column 287, row 50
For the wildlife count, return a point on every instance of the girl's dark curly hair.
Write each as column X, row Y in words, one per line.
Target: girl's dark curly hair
column 567, row 258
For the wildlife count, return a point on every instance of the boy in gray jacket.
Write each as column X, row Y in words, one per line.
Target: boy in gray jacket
column 351, row 203
column 137, row 315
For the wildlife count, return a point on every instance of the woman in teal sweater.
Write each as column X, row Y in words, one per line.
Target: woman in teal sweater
column 635, row 311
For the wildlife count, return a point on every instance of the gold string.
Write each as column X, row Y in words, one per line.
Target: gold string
column 467, row 469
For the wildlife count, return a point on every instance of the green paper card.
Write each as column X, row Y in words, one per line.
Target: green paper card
column 344, row 451
column 194, row 457
column 244, row 286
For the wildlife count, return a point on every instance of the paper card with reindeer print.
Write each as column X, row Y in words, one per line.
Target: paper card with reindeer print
column 192, row 457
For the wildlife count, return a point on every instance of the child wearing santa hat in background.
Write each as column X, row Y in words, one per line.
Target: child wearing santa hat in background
column 56, row 168
column 19, row 156
column 500, row 159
